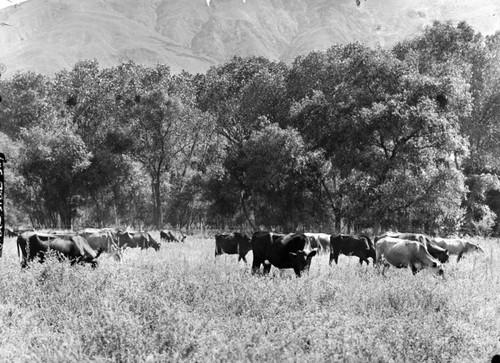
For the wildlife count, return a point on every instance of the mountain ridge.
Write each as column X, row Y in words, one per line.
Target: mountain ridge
column 46, row 36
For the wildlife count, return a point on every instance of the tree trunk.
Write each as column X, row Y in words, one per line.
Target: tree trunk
column 65, row 216
column 157, row 213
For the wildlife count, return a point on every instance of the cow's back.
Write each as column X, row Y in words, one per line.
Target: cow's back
column 226, row 243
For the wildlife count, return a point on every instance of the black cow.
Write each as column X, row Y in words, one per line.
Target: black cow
column 361, row 247
column 168, row 236
column 232, row 244
column 142, row 240
column 75, row 248
column 281, row 251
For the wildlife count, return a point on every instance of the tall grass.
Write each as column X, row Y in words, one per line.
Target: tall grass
column 180, row 304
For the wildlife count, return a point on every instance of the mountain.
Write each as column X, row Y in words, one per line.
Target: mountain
column 48, row 35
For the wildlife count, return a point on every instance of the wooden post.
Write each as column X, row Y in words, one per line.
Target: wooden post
column 2, row 185
column 2, row 189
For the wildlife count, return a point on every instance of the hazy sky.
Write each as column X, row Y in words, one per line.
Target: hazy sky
column 5, row 3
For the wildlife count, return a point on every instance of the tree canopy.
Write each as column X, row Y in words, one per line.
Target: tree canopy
column 343, row 139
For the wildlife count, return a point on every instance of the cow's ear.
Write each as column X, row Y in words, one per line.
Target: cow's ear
column 312, row 253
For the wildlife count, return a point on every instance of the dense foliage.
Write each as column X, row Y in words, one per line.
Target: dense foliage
column 343, row 139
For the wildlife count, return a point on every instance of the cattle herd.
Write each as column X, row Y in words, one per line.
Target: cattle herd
column 296, row 250
column 291, row 251
column 85, row 246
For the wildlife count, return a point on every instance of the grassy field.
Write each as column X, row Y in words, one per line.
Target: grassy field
column 179, row 304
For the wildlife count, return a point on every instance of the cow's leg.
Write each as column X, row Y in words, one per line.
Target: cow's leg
column 384, row 268
column 255, row 265
column 459, row 257
column 336, row 255
column 267, row 267
column 414, row 269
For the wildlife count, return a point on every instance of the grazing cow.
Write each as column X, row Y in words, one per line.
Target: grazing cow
column 234, row 243
column 361, row 247
column 105, row 239
column 280, row 251
column 435, row 251
column 321, row 241
column 142, row 240
column 402, row 253
column 168, row 236
column 456, row 246
column 75, row 248
column 9, row 232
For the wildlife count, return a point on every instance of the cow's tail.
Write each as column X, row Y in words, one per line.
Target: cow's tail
column 368, row 240
column 18, row 253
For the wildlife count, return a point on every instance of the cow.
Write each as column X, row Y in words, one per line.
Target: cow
column 435, row 251
column 402, row 253
column 281, row 251
column 75, row 248
column 321, row 241
column 456, row 246
column 105, row 239
column 234, row 243
column 168, row 236
column 143, row 240
column 361, row 247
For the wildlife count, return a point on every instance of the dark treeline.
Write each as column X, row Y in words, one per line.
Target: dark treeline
column 343, row 139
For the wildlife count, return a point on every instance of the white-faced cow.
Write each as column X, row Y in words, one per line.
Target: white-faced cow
column 435, row 251
column 232, row 244
column 361, row 247
column 402, row 253
column 281, row 251
column 321, row 241
column 456, row 246
column 31, row 245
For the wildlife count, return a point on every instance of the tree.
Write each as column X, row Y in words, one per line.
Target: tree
column 53, row 161
column 25, row 102
column 445, row 46
column 383, row 128
column 280, row 173
column 240, row 94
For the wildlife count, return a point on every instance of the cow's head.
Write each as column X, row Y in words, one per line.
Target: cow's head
column 155, row 245
column 245, row 245
column 151, row 242
column 90, row 258
column 437, row 268
column 301, row 260
column 472, row 247
column 444, row 256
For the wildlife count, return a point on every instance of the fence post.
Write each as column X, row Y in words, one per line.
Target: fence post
column 2, row 189
column 2, row 186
